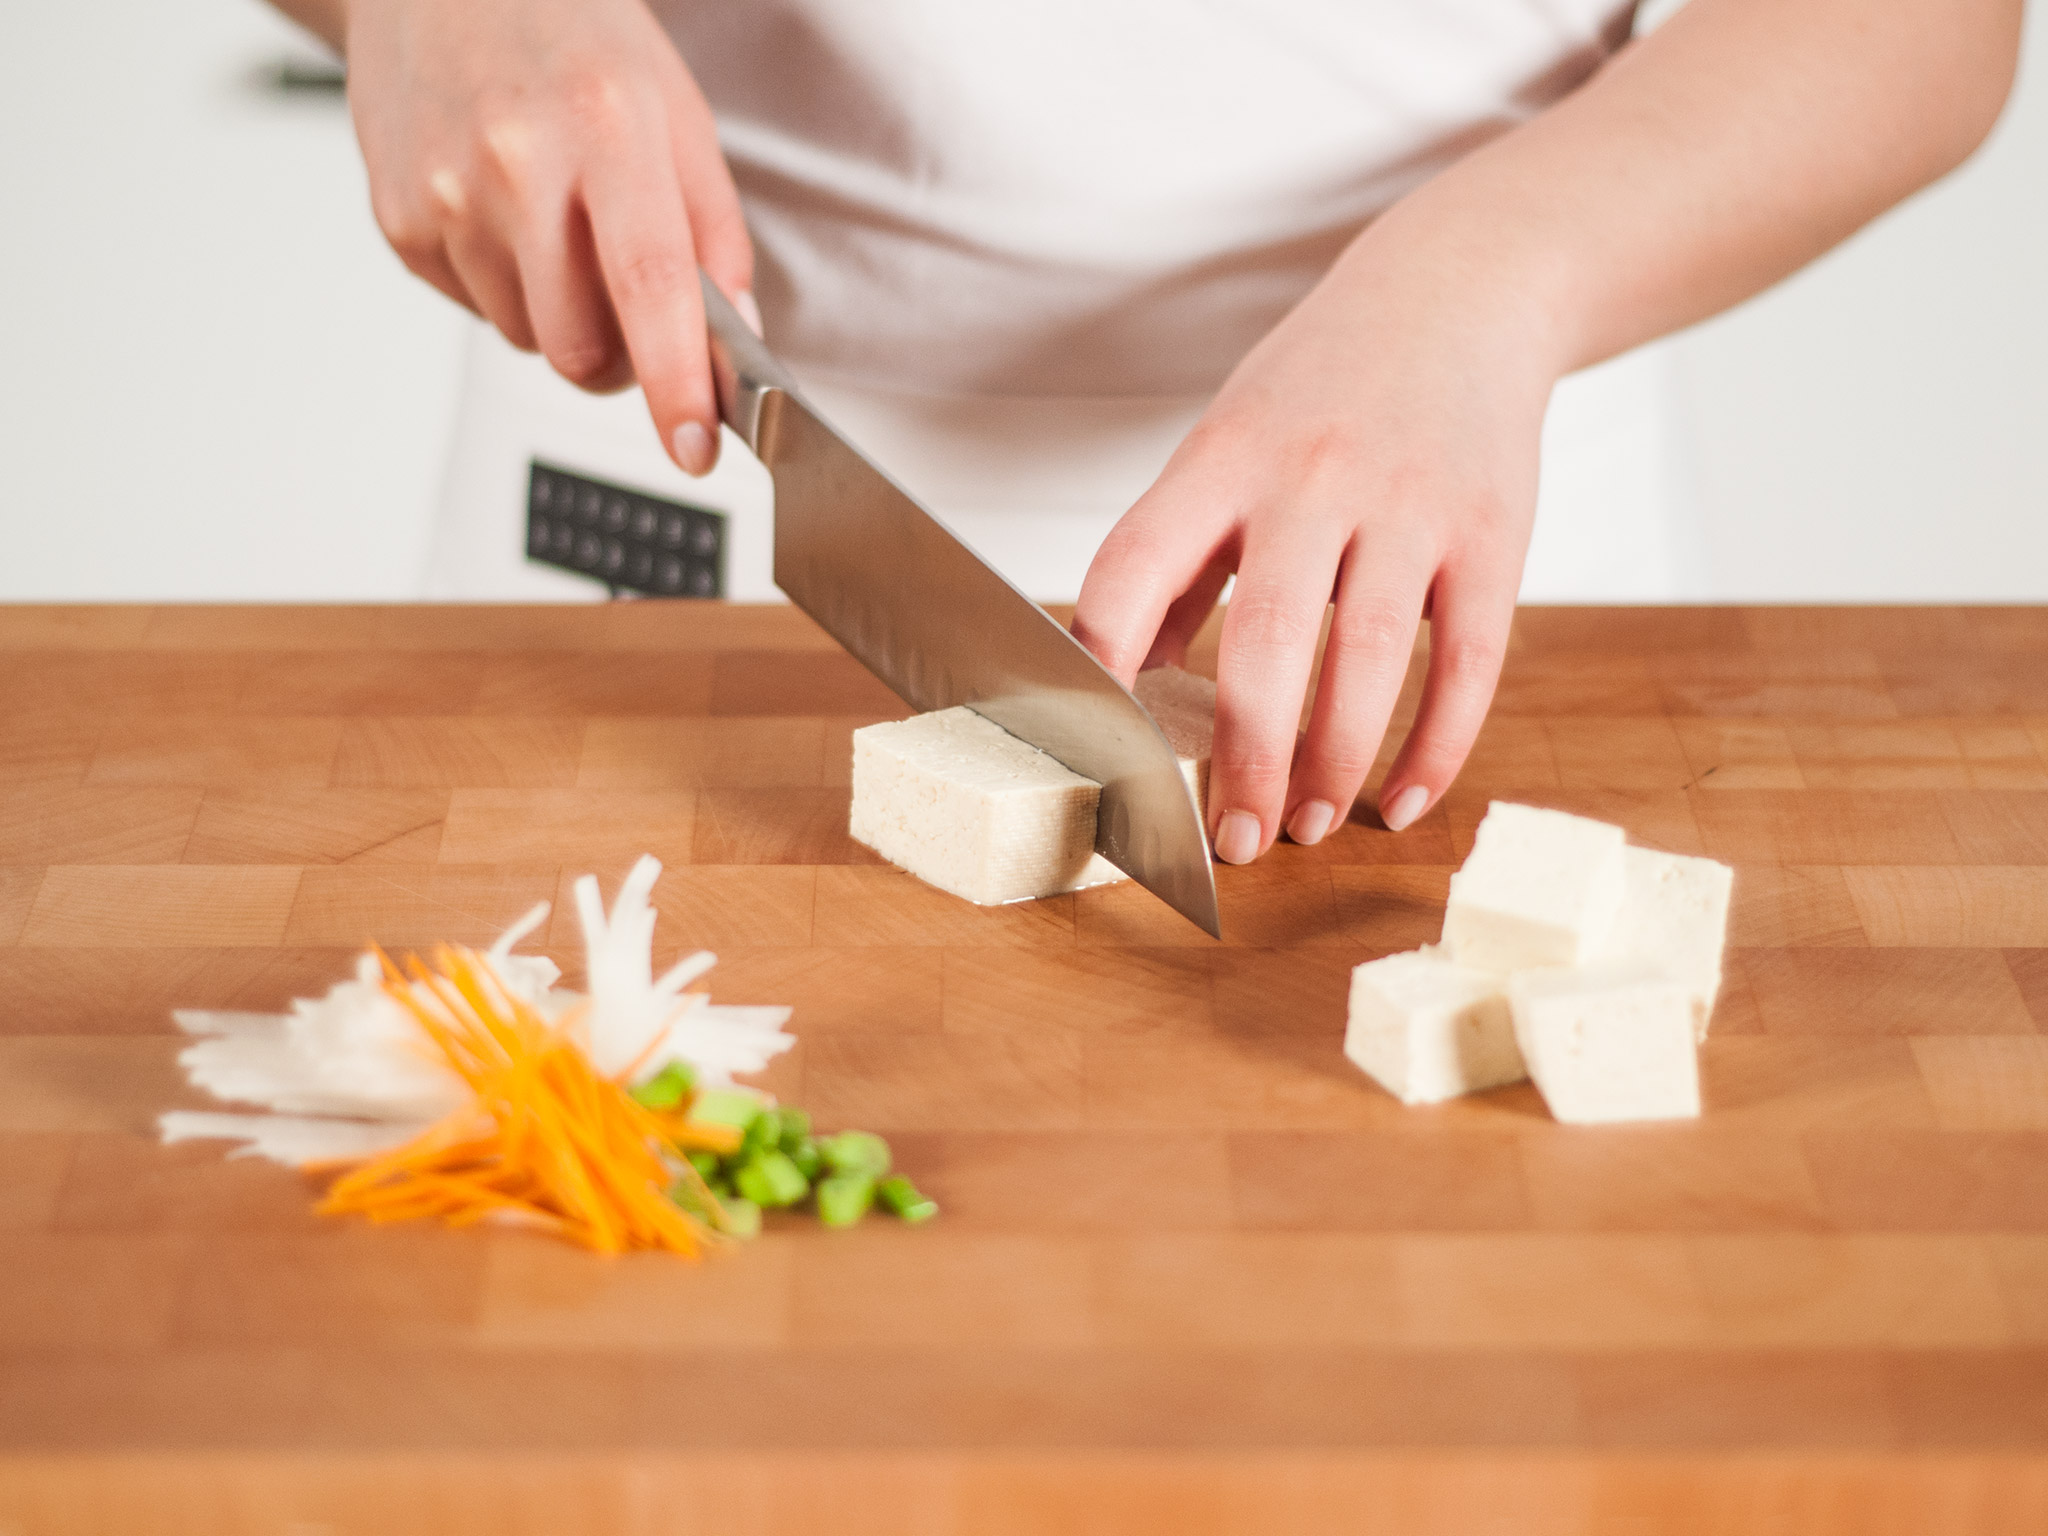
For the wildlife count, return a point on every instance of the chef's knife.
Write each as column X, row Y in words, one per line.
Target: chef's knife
column 941, row 627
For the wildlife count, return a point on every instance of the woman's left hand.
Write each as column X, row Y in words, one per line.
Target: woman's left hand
column 1377, row 451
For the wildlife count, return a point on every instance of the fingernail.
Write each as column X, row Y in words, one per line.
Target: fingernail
column 694, row 448
column 1400, row 812
column 743, row 301
column 1311, row 821
column 1237, row 837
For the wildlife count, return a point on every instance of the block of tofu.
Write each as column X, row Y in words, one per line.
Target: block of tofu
column 1427, row 1029
column 964, row 805
column 1184, row 705
column 1674, row 918
column 1540, row 888
column 1608, row 1043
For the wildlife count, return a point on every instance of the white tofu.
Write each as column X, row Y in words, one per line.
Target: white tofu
column 1184, row 705
column 1427, row 1029
column 962, row 804
column 1607, row 1044
column 1540, row 888
column 1674, row 918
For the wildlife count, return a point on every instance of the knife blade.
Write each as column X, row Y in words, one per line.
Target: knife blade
column 941, row 627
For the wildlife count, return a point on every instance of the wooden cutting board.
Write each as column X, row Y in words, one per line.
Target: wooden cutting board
column 1195, row 1273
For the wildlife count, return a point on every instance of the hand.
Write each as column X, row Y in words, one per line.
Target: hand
column 551, row 165
column 1377, row 451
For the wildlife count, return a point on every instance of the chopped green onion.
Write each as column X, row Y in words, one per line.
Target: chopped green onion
column 902, row 1197
column 771, row 1179
column 844, row 1198
column 764, row 1135
column 706, row 1163
column 796, row 1128
column 726, row 1106
column 856, row 1152
column 810, row 1162
column 779, row 1162
column 739, row 1218
column 668, row 1087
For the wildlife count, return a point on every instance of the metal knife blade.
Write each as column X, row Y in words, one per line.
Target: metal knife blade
column 941, row 627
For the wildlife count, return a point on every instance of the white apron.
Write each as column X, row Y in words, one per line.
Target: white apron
column 1012, row 248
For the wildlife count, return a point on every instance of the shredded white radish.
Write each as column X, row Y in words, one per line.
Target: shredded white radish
column 351, row 1072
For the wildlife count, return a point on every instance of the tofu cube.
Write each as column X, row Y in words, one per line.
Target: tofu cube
column 1427, row 1029
column 1184, row 706
column 1608, row 1044
column 962, row 804
column 1540, row 888
column 1674, row 918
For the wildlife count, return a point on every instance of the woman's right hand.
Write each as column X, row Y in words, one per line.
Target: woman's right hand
column 551, row 165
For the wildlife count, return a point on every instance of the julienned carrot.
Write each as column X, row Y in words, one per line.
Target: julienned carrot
column 546, row 1140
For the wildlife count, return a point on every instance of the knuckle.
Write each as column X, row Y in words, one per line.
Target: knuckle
column 404, row 217
column 1327, row 451
column 585, row 364
column 411, row 236
column 1221, row 437
column 447, row 189
column 1486, row 524
column 723, row 229
column 1268, row 622
column 1115, row 651
column 505, row 150
column 643, row 271
column 1375, row 637
column 1252, row 771
column 1469, row 665
column 595, row 101
column 1343, row 765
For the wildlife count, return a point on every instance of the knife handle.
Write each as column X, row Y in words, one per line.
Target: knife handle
column 741, row 364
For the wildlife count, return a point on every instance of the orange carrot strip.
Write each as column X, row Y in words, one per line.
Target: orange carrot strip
column 547, row 1141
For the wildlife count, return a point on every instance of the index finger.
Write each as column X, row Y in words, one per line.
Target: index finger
column 1156, row 553
column 1270, row 631
column 644, row 248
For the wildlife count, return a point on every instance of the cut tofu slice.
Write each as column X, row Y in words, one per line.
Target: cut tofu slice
column 1540, row 888
column 1674, row 918
column 1427, row 1029
column 964, row 805
column 1184, row 705
column 1608, row 1044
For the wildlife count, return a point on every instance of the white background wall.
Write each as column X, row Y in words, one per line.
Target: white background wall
column 1877, row 426
column 216, row 382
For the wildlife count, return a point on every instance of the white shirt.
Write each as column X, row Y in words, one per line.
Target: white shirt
column 1092, row 197
column 1011, row 248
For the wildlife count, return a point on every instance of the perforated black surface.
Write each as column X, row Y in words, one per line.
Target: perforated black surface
column 629, row 540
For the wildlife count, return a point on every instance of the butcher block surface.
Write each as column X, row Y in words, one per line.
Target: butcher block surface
column 1194, row 1273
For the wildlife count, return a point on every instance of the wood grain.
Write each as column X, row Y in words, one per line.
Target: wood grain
column 689, row 754
column 445, row 753
column 413, row 905
column 97, row 824
column 96, row 990
column 256, row 825
column 1195, row 1272
column 215, row 750
column 148, row 906
column 529, row 826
